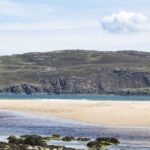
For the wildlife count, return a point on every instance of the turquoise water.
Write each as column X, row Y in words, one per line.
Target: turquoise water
column 76, row 97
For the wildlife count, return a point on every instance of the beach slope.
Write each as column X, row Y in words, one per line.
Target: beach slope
column 107, row 113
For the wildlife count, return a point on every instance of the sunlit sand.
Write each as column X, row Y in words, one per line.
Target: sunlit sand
column 103, row 113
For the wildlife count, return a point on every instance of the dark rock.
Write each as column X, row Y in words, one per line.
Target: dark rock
column 83, row 139
column 108, row 140
column 94, row 144
column 68, row 138
column 34, row 140
column 55, row 136
column 14, row 140
column 114, row 82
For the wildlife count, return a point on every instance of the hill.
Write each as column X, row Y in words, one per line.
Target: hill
column 76, row 72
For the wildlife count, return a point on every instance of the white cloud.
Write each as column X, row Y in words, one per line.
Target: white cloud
column 124, row 22
column 10, row 8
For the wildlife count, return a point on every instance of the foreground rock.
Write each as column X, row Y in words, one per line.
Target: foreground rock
column 83, row 139
column 102, row 142
column 68, row 138
column 34, row 142
column 108, row 140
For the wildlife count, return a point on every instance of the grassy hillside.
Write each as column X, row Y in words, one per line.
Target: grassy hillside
column 31, row 68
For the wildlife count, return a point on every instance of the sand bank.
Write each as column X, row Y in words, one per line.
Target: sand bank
column 104, row 113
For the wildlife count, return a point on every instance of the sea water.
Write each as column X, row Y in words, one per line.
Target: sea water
column 75, row 97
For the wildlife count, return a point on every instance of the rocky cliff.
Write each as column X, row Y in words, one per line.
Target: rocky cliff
column 76, row 72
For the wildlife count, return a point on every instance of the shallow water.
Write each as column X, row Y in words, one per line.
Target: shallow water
column 15, row 123
column 74, row 97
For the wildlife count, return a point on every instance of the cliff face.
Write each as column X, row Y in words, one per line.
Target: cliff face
column 76, row 72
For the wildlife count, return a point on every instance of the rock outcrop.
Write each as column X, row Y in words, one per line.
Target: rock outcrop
column 76, row 72
column 35, row 142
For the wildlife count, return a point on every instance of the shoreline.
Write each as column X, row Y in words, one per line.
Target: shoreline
column 104, row 113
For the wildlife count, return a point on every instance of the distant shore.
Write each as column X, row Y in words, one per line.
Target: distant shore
column 108, row 113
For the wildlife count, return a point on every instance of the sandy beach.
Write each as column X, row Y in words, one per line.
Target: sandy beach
column 103, row 113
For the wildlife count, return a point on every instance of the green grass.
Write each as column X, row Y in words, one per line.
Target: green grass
column 31, row 67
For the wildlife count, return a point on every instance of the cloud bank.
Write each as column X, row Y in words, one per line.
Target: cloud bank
column 8, row 7
column 125, row 22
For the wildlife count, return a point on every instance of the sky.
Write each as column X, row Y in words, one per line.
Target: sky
column 46, row 25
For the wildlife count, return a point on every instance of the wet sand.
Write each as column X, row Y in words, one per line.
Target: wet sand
column 108, row 113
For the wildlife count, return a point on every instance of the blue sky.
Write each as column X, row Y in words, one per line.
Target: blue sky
column 45, row 25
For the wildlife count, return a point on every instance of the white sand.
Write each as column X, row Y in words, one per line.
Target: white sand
column 104, row 113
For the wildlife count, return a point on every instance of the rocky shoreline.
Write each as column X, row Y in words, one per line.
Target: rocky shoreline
column 35, row 142
column 35, row 90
